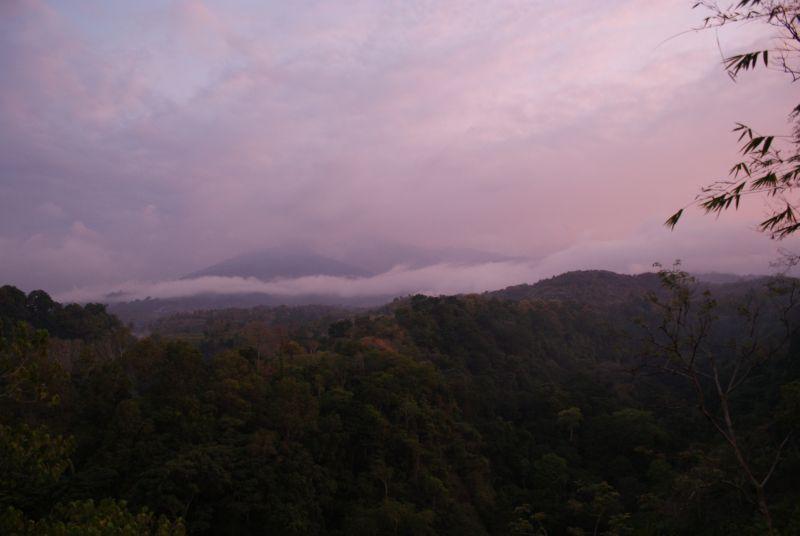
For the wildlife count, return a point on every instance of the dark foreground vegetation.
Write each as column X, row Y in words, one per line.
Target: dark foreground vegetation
column 577, row 406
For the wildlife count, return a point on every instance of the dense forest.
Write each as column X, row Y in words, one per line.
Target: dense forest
column 590, row 403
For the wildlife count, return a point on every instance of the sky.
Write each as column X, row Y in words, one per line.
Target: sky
column 144, row 140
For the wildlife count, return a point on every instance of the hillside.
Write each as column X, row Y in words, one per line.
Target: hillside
column 598, row 286
column 142, row 313
column 456, row 415
column 586, row 287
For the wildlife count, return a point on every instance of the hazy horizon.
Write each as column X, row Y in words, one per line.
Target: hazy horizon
column 144, row 141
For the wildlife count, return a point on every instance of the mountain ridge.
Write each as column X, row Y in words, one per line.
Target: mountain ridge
column 275, row 263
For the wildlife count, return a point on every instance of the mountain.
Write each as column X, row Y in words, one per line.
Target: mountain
column 441, row 415
column 609, row 288
column 593, row 287
column 281, row 262
column 599, row 286
column 380, row 257
column 363, row 260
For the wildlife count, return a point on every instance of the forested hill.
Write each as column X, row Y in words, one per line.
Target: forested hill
column 474, row 414
column 606, row 288
column 597, row 286
column 590, row 286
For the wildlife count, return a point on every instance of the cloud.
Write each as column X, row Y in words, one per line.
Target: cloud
column 185, row 134
column 739, row 250
column 435, row 279
column 51, row 210
column 733, row 248
column 75, row 255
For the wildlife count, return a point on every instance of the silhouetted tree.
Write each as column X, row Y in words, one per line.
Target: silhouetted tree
column 717, row 366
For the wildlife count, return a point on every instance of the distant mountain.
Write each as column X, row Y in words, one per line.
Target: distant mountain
column 362, row 260
column 281, row 263
column 381, row 257
column 593, row 287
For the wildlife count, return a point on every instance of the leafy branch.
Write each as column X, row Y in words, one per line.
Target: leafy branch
column 770, row 165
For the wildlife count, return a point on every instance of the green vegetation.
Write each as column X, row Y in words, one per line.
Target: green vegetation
column 541, row 409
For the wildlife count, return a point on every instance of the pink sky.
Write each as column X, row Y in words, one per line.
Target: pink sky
column 145, row 140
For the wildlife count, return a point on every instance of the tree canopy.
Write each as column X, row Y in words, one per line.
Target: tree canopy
column 528, row 411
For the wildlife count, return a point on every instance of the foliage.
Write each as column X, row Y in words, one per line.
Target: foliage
column 434, row 415
column 73, row 321
column 770, row 165
column 683, row 341
column 88, row 518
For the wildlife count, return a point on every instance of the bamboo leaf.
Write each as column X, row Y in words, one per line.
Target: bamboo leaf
column 672, row 221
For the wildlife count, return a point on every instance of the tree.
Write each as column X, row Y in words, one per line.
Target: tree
column 570, row 419
column 717, row 365
column 31, row 463
column 27, row 374
column 594, row 503
column 770, row 165
column 89, row 517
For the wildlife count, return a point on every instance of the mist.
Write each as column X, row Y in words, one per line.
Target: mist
column 145, row 141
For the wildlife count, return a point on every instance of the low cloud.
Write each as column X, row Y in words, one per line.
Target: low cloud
column 75, row 254
column 184, row 134
column 702, row 248
column 700, row 243
column 435, row 279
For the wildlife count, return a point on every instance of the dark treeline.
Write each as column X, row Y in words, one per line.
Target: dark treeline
column 89, row 322
column 494, row 414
